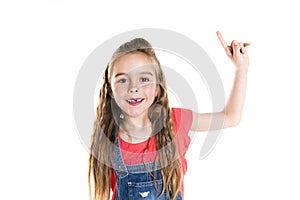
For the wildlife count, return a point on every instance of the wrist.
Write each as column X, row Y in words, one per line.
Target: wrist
column 241, row 72
column 242, row 69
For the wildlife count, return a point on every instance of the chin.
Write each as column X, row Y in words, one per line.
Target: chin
column 137, row 112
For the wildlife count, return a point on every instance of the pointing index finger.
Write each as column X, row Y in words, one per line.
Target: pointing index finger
column 223, row 42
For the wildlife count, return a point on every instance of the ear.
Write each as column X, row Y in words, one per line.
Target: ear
column 157, row 91
column 110, row 92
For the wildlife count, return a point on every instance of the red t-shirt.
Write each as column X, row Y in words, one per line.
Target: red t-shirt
column 133, row 153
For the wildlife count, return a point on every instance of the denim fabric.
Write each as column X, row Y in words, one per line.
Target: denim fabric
column 136, row 182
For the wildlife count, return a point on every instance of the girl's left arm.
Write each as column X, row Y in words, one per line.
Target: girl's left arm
column 231, row 115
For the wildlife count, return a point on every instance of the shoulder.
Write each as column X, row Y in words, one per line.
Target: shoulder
column 182, row 121
column 182, row 118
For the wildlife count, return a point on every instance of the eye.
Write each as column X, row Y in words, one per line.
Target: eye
column 122, row 80
column 145, row 79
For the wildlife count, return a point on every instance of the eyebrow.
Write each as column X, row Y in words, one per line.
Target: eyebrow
column 149, row 73
column 122, row 73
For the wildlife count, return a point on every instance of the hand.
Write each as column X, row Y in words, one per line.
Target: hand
column 236, row 52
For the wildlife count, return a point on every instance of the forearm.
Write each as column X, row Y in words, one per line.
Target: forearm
column 232, row 113
column 234, row 107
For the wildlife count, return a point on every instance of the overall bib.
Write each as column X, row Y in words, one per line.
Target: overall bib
column 136, row 182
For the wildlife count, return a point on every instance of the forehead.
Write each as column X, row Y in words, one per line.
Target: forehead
column 133, row 62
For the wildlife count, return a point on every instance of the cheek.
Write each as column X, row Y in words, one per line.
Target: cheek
column 151, row 90
column 119, row 89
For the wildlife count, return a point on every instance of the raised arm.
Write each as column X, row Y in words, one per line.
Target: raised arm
column 231, row 115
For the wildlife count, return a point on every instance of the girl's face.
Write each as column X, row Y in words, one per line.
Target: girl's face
column 133, row 84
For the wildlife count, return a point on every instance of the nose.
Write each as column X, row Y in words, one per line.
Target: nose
column 133, row 89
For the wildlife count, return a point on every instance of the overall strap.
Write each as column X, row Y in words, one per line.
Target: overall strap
column 117, row 161
column 116, row 158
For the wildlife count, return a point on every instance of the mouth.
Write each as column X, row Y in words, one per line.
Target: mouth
column 135, row 101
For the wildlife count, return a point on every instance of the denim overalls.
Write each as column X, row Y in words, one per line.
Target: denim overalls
column 135, row 182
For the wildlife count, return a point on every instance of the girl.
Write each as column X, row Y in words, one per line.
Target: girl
column 139, row 143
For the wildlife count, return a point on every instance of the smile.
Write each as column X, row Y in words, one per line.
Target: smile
column 134, row 101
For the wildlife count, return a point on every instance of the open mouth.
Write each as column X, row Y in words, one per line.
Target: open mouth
column 135, row 101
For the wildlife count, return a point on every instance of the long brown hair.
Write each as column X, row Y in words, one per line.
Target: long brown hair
column 103, row 138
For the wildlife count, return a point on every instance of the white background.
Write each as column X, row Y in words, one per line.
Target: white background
column 44, row 43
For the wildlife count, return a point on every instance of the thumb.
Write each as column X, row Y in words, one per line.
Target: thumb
column 236, row 47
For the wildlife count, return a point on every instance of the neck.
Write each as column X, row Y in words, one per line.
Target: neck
column 135, row 130
column 136, row 122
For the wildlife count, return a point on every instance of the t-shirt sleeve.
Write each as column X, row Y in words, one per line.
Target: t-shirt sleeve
column 182, row 120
